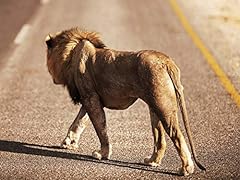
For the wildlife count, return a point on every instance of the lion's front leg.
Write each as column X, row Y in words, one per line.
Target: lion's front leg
column 75, row 130
column 97, row 116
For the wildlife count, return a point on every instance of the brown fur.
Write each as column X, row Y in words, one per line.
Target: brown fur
column 97, row 77
column 64, row 44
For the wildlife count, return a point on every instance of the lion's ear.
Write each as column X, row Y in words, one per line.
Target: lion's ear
column 49, row 41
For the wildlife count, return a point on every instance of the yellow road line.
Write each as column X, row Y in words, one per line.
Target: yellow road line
column 206, row 53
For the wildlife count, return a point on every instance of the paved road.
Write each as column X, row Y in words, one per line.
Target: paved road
column 35, row 114
column 219, row 26
column 13, row 14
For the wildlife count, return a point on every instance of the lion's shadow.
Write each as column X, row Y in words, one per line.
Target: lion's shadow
column 51, row 151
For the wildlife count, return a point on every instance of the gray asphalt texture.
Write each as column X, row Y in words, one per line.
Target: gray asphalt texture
column 35, row 114
column 13, row 14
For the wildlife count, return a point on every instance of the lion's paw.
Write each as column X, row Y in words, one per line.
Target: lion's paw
column 97, row 155
column 69, row 144
column 150, row 162
column 186, row 170
column 103, row 154
column 100, row 155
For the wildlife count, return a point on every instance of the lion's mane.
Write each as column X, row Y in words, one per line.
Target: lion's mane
column 66, row 41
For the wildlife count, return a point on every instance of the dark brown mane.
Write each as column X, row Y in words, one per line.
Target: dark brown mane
column 63, row 45
column 68, row 39
column 73, row 92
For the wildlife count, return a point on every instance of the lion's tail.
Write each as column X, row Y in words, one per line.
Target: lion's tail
column 174, row 74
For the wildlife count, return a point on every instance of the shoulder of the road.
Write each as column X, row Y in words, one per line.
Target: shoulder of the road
column 211, row 60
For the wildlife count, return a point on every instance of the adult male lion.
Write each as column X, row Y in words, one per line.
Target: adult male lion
column 98, row 77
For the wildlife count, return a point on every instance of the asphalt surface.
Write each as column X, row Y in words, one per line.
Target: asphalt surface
column 219, row 27
column 13, row 14
column 35, row 114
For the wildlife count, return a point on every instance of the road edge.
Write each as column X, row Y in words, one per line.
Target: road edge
column 211, row 60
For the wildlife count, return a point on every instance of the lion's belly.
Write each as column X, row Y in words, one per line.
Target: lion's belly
column 117, row 103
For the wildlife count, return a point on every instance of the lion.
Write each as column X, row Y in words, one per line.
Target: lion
column 97, row 77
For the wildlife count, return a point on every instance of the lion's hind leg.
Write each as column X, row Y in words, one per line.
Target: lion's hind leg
column 172, row 128
column 159, row 141
column 170, row 123
column 162, row 101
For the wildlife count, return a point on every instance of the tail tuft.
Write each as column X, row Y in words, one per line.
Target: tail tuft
column 200, row 166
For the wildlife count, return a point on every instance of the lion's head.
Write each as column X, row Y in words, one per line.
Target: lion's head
column 60, row 47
